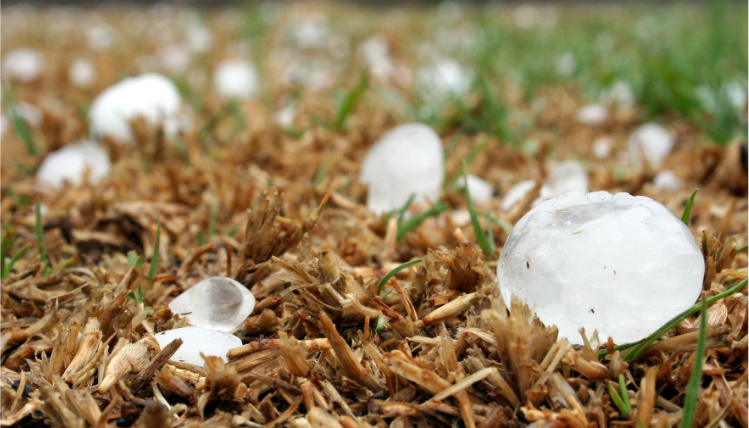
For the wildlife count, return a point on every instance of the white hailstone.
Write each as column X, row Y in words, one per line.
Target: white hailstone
column 174, row 58
column 198, row 340
column 445, row 78
column 406, row 160
column 28, row 112
column 620, row 93
column 667, row 180
column 481, row 191
column 216, row 303
column 70, row 164
column 199, row 38
column 376, row 54
column 566, row 64
column 592, row 114
column 236, row 79
column 100, row 37
column 23, row 64
column 150, row 96
column 311, row 32
column 736, row 93
column 82, row 73
column 602, row 147
column 620, row 264
column 285, row 116
column 567, row 176
column 517, row 193
column 652, row 142
column 4, row 123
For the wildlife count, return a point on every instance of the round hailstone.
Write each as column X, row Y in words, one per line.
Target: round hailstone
column 376, row 54
column 70, row 164
column 481, row 191
column 620, row 264
column 23, row 64
column 82, row 73
column 517, row 193
column 407, row 160
column 602, row 147
column 198, row 340
column 592, row 114
column 150, row 96
column 567, row 176
column 236, row 79
column 216, row 303
column 652, row 142
column 620, row 93
column 667, row 180
column 444, row 78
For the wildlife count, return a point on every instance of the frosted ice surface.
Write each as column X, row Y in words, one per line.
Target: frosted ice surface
column 517, row 193
column 406, row 160
column 667, row 180
column 592, row 113
column 151, row 96
column 651, row 142
column 197, row 340
column 216, row 303
column 70, row 163
column 567, row 176
column 23, row 64
column 236, row 79
column 481, row 191
column 444, row 78
column 619, row 264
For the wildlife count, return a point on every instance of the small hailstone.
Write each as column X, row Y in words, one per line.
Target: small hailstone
column 567, row 176
column 592, row 114
column 667, row 180
column 28, row 112
column 236, row 79
column 82, row 73
column 619, row 264
column 70, row 164
column 175, row 58
column 23, row 64
column 199, row 38
column 620, row 93
column 406, row 160
column 651, row 142
column 446, row 78
column 100, row 37
column 481, row 191
column 602, row 147
column 150, row 96
column 376, row 54
column 216, row 303
column 285, row 116
column 566, row 64
column 198, row 340
column 312, row 32
column 517, row 193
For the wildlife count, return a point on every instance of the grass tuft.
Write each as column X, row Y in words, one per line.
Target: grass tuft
column 686, row 216
column 693, row 388
column 349, row 102
column 381, row 319
column 486, row 244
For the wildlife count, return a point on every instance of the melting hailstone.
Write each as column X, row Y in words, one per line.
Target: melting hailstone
column 445, row 78
column 620, row 264
column 216, row 303
column 23, row 64
column 592, row 113
column 406, row 160
column 70, row 164
column 196, row 340
column 651, row 142
column 481, row 191
column 567, row 176
column 517, row 193
column 236, row 79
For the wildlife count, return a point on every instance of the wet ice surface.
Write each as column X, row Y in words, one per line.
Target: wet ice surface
column 197, row 340
column 216, row 303
column 650, row 142
column 406, row 160
column 619, row 264
column 70, row 164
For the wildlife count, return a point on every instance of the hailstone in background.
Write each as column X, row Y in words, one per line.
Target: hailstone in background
column 82, row 73
column 651, row 142
column 517, row 193
column 567, row 176
column 620, row 264
column 406, row 160
column 198, row 340
column 70, row 164
column 236, row 79
column 216, row 303
column 592, row 114
column 23, row 64
column 480, row 190
column 602, row 147
column 150, row 96
column 667, row 180
column 445, row 78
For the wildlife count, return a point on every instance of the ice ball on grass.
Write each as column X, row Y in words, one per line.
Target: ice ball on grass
column 70, row 164
column 216, row 303
column 620, row 264
column 150, row 96
column 445, row 78
column 23, row 64
column 407, row 160
column 481, row 191
column 198, row 340
column 652, row 142
column 236, row 79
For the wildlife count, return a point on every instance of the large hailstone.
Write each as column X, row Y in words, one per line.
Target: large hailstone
column 23, row 64
column 150, row 96
column 70, row 164
column 651, row 142
column 216, row 303
column 236, row 79
column 445, row 78
column 407, row 160
column 620, row 264
column 196, row 340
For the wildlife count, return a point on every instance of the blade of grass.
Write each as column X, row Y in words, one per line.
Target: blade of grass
column 8, row 264
column 40, row 238
column 155, row 255
column 320, row 174
column 686, row 216
column 617, row 399
column 693, row 388
column 506, row 227
column 405, row 227
column 212, row 220
column 236, row 112
column 22, row 129
column 350, row 100
column 486, row 245
column 381, row 319
column 625, row 396
column 742, row 248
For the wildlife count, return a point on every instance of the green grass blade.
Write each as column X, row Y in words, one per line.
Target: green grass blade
column 155, row 256
column 8, row 265
column 40, row 236
column 320, row 174
column 212, row 220
column 625, row 396
column 742, row 248
column 381, row 319
column 349, row 102
column 404, row 209
column 617, row 399
column 506, row 227
column 693, row 388
column 236, row 112
column 405, row 227
column 486, row 245
column 23, row 131
column 686, row 216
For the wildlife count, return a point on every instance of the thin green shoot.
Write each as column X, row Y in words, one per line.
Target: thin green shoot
column 137, row 296
column 693, row 388
column 9, row 262
column 405, row 227
column 230, row 233
column 40, row 238
column 381, row 319
column 212, row 220
column 155, row 255
column 686, row 216
column 499, row 222
column 485, row 243
column 625, row 396
column 6, row 244
column 23, row 131
column 134, row 259
column 404, row 208
column 349, row 102
column 322, row 170
column 618, row 402
column 743, row 248
column 236, row 112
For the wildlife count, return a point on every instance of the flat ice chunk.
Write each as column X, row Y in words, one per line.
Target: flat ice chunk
column 150, row 96
column 23, row 64
column 619, row 264
column 216, row 303
column 197, row 340
column 406, row 160
column 517, row 193
column 70, row 163
column 651, row 142
column 667, row 180
column 592, row 114
column 236, row 79
column 445, row 78
column 481, row 191
column 567, row 176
